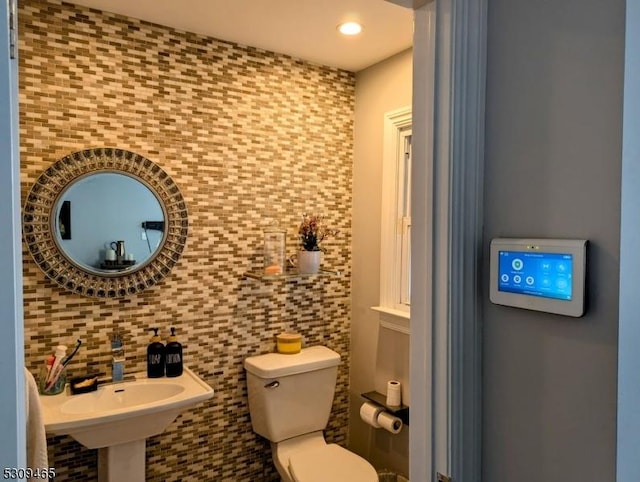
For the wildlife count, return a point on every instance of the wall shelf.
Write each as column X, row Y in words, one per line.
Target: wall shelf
column 289, row 274
column 401, row 411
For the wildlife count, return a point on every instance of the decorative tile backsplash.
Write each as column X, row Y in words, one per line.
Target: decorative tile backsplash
column 250, row 137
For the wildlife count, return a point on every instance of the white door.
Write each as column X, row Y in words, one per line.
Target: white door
column 12, row 415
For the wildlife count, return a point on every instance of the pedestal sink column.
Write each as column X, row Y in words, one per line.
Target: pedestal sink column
column 122, row 462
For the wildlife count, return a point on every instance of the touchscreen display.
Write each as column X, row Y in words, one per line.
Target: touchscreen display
column 548, row 275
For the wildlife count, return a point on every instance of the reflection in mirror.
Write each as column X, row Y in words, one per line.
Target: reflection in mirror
column 105, row 223
column 105, row 207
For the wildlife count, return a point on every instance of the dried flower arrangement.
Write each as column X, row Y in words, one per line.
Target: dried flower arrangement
column 313, row 231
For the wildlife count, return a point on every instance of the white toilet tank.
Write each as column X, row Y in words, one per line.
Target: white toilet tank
column 291, row 395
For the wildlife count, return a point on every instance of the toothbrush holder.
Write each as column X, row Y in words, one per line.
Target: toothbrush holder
column 51, row 388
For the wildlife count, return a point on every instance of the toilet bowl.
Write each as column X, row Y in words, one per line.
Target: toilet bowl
column 290, row 398
column 308, row 458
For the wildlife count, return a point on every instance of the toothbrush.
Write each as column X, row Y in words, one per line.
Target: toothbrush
column 68, row 358
column 61, row 351
column 57, row 371
column 49, row 364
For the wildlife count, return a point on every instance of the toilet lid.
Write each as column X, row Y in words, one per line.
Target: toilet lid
column 330, row 463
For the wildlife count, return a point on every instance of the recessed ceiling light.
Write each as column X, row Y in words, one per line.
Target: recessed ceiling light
column 350, row 28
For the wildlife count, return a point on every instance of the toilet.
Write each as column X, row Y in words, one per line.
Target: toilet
column 290, row 398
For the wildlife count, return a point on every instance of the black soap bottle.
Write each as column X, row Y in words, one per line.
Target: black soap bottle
column 155, row 356
column 173, row 352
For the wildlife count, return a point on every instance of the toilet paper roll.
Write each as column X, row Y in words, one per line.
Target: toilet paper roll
column 369, row 412
column 389, row 422
column 394, row 394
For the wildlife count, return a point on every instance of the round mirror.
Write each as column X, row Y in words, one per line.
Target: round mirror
column 105, row 222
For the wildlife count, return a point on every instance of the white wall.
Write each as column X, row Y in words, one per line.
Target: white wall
column 377, row 354
column 553, row 168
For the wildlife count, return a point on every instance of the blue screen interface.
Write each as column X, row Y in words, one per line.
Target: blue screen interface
column 548, row 275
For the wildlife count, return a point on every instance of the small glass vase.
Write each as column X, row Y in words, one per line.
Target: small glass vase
column 309, row 262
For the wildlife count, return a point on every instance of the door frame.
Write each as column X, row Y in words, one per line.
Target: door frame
column 12, row 396
column 449, row 55
column 628, row 391
column 448, row 107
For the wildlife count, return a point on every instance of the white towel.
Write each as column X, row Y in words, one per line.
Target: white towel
column 36, row 437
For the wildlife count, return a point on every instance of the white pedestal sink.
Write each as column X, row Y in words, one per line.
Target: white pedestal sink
column 117, row 418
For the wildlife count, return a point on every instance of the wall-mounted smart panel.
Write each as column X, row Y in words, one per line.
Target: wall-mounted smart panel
column 539, row 274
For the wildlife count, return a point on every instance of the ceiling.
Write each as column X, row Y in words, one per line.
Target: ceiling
column 304, row 29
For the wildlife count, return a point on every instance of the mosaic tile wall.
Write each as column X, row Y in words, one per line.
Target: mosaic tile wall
column 250, row 137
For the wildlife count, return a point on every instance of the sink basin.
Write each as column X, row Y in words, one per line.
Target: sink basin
column 123, row 412
column 117, row 397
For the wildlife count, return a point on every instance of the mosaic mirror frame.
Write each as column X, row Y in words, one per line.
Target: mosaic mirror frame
column 39, row 223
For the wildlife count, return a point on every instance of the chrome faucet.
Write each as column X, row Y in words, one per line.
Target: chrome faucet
column 117, row 362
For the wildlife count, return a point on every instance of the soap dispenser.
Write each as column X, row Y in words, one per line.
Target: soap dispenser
column 173, row 352
column 155, row 356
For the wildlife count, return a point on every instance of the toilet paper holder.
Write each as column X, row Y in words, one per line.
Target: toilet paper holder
column 401, row 411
